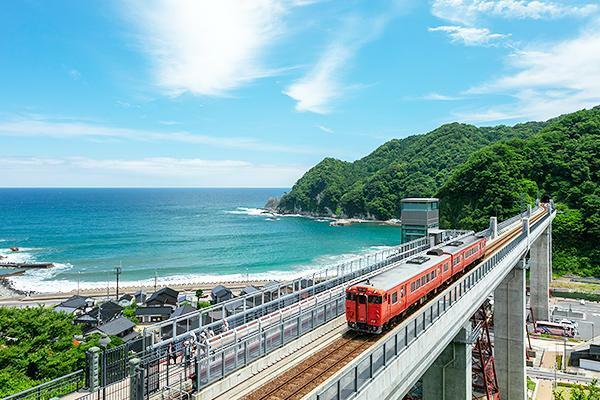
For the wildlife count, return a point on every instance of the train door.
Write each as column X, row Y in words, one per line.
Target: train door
column 361, row 308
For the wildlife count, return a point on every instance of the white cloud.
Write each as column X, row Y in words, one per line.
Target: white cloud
column 323, row 83
column 66, row 129
column 144, row 172
column 316, row 90
column 469, row 11
column 325, row 129
column 440, row 97
column 550, row 79
column 207, row 47
column 470, row 36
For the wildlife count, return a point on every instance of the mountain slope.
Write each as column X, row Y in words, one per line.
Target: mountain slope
column 562, row 161
column 415, row 166
column 477, row 173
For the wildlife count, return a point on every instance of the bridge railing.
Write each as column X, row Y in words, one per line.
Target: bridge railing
column 375, row 360
column 52, row 389
column 255, row 340
column 245, row 308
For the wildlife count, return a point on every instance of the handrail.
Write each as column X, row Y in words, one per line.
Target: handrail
column 234, row 355
column 54, row 385
column 315, row 277
column 378, row 357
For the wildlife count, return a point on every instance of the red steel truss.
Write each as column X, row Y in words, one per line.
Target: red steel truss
column 485, row 382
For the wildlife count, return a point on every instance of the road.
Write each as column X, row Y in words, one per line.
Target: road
column 589, row 327
column 551, row 374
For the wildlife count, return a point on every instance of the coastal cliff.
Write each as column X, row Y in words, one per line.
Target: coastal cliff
column 477, row 172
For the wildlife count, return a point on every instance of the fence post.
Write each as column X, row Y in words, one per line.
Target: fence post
column 93, row 356
column 135, row 384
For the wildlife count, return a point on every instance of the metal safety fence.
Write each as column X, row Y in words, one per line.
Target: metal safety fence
column 55, row 388
column 242, row 309
column 377, row 358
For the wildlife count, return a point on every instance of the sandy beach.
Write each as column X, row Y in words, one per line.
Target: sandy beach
column 8, row 294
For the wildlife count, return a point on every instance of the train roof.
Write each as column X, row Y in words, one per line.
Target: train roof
column 459, row 244
column 391, row 278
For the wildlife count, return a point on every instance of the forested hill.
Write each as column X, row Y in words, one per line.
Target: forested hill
column 477, row 173
column 415, row 166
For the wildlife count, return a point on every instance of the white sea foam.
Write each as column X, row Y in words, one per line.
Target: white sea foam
column 42, row 280
column 248, row 211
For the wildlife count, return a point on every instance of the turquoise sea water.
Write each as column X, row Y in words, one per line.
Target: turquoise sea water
column 182, row 235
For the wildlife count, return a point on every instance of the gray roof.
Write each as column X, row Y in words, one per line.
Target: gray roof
column 183, row 310
column 162, row 295
column 68, row 310
column 220, row 290
column 250, row 289
column 74, row 302
column 466, row 241
column 406, row 270
column 116, row 326
column 154, row 311
column 389, row 279
column 85, row 318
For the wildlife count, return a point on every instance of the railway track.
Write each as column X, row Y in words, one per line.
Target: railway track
column 301, row 379
column 511, row 234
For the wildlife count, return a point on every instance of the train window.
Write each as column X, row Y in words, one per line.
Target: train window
column 375, row 299
column 427, row 278
column 422, row 281
column 446, row 267
column 412, row 287
column 401, row 292
column 350, row 296
column 362, row 299
column 394, row 297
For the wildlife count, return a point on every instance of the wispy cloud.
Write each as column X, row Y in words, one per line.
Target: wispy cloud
column 325, row 129
column 550, row 79
column 469, row 11
column 440, row 97
column 323, row 83
column 144, row 172
column 79, row 129
column 207, row 47
column 470, row 36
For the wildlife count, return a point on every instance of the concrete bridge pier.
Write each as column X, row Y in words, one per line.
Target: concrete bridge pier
column 540, row 267
column 449, row 377
column 509, row 334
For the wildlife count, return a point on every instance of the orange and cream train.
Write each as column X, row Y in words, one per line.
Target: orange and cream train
column 373, row 304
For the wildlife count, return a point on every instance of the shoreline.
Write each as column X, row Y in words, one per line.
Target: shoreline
column 14, row 289
column 7, row 293
column 335, row 220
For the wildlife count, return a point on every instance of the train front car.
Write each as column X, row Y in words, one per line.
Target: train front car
column 365, row 308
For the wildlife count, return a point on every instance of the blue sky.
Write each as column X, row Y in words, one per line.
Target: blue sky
column 253, row 93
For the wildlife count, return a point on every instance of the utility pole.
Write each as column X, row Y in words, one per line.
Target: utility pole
column 78, row 280
column 118, row 271
column 564, row 361
column 155, row 279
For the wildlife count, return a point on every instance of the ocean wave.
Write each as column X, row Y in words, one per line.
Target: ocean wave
column 42, row 280
column 249, row 211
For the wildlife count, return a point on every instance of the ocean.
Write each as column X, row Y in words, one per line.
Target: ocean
column 179, row 235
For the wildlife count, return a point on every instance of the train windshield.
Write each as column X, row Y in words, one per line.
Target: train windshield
column 350, row 296
column 375, row 299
